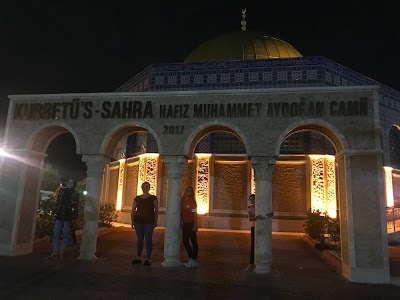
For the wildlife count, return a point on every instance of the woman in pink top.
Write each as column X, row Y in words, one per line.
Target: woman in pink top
column 189, row 226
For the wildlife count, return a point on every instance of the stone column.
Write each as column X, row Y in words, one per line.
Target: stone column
column 20, row 177
column 175, row 166
column 263, row 167
column 363, row 232
column 95, row 168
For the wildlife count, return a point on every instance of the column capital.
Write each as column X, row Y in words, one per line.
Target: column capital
column 175, row 165
column 95, row 164
column 263, row 166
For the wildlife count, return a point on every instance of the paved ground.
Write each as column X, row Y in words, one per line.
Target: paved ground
column 298, row 272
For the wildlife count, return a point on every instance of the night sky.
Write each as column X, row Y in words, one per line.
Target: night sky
column 62, row 47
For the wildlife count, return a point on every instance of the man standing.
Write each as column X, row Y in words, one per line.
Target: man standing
column 65, row 209
column 251, row 210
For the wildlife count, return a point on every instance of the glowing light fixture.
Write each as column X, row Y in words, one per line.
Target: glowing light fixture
column 323, row 184
column 148, row 168
column 120, row 183
column 253, row 182
column 389, row 186
column 203, row 183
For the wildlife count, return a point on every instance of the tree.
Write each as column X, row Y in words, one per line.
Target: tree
column 50, row 179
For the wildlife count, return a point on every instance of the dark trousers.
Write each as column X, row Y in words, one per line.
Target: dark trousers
column 252, row 245
column 188, row 232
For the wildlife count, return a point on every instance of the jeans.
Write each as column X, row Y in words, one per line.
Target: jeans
column 144, row 231
column 188, row 232
column 66, row 226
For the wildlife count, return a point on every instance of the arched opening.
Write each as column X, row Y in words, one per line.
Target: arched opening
column 61, row 163
column 305, row 183
column 31, row 163
column 133, row 152
column 394, row 146
column 220, row 173
column 392, row 180
column 304, row 177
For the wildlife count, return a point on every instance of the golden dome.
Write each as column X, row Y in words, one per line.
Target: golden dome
column 242, row 45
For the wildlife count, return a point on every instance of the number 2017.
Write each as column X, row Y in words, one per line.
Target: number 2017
column 173, row 129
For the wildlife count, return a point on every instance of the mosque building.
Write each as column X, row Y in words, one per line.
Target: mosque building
column 244, row 113
column 304, row 175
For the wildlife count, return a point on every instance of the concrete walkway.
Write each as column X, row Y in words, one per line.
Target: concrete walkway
column 298, row 272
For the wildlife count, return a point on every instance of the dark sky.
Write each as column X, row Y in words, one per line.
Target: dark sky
column 59, row 46
column 68, row 46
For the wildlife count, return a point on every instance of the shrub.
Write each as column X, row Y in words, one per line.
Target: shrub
column 45, row 219
column 319, row 226
column 333, row 230
column 315, row 225
column 107, row 215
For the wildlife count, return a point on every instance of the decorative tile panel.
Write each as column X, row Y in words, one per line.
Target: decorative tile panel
column 230, row 186
column 185, row 79
column 289, row 188
column 198, row 79
column 336, row 80
column 297, row 75
column 130, row 185
column 172, row 79
column 267, row 76
column 212, row 78
column 239, row 77
column 159, row 80
column 312, row 74
column 282, row 75
column 328, row 77
column 225, row 78
column 113, row 186
column 253, row 76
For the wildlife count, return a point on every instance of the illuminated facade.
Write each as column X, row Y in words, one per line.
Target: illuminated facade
column 300, row 132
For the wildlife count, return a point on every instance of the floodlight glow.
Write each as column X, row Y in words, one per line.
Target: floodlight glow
column 203, row 183
column 3, row 153
column 27, row 161
column 389, row 186
column 148, row 169
column 85, row 193
column 120, row 183
column 323, row 184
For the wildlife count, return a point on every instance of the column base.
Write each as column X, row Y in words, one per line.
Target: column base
column 171, row 262
column 9, row 250
column 364, row 275
column 262, row 269
column 87, row 256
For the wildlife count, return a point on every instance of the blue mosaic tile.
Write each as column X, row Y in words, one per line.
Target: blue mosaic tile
column 315, row 71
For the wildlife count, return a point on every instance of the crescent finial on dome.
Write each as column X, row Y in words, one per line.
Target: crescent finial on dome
column 243, row 19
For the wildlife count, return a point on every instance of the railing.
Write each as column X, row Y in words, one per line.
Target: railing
column 393, row 218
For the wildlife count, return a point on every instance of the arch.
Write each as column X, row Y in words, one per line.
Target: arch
column 42, row 137
column 116, row 133
column 394, row 145
column 330, row 132
column 202, row 130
